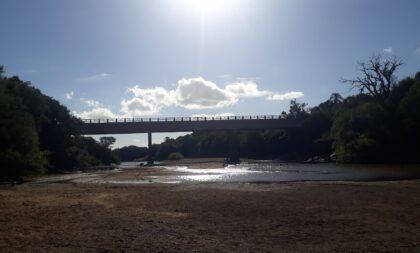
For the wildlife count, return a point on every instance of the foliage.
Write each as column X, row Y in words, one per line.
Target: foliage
column 410, row 107
column 19, row 145
column 38, row 134
column 410, row 126
column 107, row 141
column 98, row 150
column 297, row 110
column 175, row 156
column 360, row 134
column 131, row 153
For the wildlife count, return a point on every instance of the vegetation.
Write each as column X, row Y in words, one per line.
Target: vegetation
column 38, row 134
column 381, row 124
column 175, row 156
column 131, row 153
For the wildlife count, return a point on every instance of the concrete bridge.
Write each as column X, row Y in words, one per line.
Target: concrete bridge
column 184, row 124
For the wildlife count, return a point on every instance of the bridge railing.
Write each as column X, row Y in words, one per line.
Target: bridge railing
column 181, row 119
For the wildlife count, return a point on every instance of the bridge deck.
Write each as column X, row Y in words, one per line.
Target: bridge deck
column 185, row 124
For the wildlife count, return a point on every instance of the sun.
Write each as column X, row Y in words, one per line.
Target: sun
column 207, row 5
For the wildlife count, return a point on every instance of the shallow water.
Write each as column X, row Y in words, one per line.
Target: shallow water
column 282, row 172
column 128, row 165
column 261, row 171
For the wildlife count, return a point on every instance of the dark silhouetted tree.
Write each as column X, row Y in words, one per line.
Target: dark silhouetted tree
column 297, row 110
column 377, row 77
column 107, row 141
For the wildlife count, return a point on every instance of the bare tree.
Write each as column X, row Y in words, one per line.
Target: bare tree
column 377, row 77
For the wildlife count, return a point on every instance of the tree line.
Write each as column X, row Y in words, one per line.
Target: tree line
column 39, row 135
column 380, row 124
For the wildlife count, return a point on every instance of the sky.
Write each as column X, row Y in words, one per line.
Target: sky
column 133, row 58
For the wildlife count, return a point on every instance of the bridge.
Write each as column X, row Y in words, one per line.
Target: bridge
column 184, row 124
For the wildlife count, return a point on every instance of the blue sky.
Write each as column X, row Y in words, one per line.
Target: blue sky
column 191, row 57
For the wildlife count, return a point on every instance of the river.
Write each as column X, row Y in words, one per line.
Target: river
column 269, row 171
column 256, row 172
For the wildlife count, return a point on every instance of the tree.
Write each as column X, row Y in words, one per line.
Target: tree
column 377, row 77
column 410, row 127
column 38, row 134
column 19, row 147
column 361, row 134
column 130, row 153
column 107, row 141
column 297, row 110
column 335, row 99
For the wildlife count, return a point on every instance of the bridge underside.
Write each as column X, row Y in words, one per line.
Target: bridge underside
column 185, row 126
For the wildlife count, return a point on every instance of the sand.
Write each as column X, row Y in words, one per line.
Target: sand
column 281, row 217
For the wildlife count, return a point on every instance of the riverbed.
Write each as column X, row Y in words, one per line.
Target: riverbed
column 167, row 209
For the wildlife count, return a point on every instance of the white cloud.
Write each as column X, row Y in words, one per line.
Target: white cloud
column 246, row 88
column 192, row 93
column 136, row 107
column 286, row 96
column 96, row 77
column 189, row 93
column 91, row 102
column 69, row 95
column 388, row 50
column 146, row 101
column 195, row 93
column 158, row 96
column 198, row 93
column 96, row 113
column 225, row 114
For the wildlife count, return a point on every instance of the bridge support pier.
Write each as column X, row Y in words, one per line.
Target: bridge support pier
column 149, row 150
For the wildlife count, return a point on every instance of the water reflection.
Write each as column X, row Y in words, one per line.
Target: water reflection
column 280, row 172
column 130, row 173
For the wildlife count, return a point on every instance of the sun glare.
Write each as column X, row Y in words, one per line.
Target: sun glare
column 207, row 5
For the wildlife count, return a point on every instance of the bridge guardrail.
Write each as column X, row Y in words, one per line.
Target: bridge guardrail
column 181, row 119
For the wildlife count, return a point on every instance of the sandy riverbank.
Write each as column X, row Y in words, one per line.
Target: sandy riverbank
column 287, row 217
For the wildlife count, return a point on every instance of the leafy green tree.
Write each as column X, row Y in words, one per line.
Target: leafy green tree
column 167, row 147
column 410, row 107
column 410, row 127
column 19, row 147
column 100, row 152
column 131, row 153
column 361, row 134
column 39, row 134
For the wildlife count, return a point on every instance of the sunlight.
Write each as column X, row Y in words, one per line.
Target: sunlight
column 209, row 5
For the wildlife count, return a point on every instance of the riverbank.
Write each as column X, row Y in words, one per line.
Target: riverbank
column 286, row 217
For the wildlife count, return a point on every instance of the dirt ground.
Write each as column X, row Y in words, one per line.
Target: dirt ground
column 286, row 217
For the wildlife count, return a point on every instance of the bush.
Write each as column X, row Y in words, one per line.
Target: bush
column 361, row 134
column 175, row 156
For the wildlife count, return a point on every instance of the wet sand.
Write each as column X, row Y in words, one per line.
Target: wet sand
column 282, row 217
